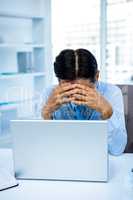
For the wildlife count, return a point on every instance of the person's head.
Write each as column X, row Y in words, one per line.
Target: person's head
column 80, row 64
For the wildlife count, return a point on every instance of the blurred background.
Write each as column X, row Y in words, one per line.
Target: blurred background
column 33, row 32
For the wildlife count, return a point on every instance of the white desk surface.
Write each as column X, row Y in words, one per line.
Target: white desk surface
column 120, row 185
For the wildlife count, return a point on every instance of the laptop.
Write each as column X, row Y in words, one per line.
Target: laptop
column 60, row 150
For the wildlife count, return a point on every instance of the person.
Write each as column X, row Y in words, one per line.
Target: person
column 80, row 95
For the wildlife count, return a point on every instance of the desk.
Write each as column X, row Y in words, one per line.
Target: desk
column 120, row 185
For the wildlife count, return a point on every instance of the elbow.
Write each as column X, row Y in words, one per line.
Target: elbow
column 45, row 114
column 110, row 112
column 116, row 153
column 107, row 113
column 117, row 147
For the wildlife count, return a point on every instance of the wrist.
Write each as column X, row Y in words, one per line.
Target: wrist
column 46, row 114
column 105, row 108
column 106, row 112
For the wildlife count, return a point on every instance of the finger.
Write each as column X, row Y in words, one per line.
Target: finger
column 67, row 100
column 90, row 94
column 84, row 98
column 80, row 97
column 62, row 100
column 78, row 102
column 73, row 91
column 80, row 91
column 67, row 93
column 65, row 88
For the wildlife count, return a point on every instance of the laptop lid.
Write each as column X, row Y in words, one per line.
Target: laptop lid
column 60, row 150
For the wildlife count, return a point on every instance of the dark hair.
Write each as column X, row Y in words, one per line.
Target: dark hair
column 70, row 65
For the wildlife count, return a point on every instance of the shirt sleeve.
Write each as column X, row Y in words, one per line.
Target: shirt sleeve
column 117, row 135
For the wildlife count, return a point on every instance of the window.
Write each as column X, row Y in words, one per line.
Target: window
column 82, row 24
column 119, row 63
column 76, row 24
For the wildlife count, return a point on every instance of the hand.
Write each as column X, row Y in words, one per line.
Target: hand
column 60, row 95
column 89, row 96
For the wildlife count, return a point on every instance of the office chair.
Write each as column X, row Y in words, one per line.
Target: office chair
column 127, row 91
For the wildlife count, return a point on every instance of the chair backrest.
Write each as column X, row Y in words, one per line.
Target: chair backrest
column 127, row 91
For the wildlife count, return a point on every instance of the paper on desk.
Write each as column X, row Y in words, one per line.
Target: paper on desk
column 7, row 180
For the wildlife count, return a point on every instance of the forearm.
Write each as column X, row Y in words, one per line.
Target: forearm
column 46, row 114
column 117, row 134
column 117, row 141
column 106, row 112
column 56, row 99
column 105, row 108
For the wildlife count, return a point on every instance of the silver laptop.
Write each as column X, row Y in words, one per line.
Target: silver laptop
column 60, row 149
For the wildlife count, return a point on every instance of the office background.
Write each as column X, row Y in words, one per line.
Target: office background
column 32, row 32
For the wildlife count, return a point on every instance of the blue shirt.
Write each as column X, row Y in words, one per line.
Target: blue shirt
column 117, row 136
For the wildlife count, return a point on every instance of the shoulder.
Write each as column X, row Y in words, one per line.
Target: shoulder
column 108, row 88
